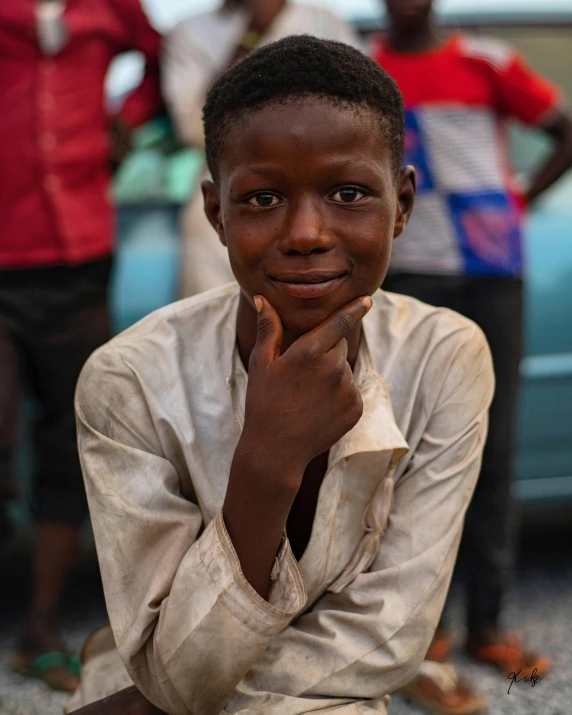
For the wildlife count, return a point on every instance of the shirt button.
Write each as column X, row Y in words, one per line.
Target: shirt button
column 46, row 101
column 48, row 141
column 52, row 183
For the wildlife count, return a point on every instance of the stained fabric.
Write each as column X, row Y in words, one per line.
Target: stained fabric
column 160, row 410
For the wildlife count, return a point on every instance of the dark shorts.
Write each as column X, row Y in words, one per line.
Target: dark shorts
column 51, row 320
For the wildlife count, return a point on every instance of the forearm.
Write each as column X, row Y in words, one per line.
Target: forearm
column 557, row 164
column 256, row 507
column 143, row 103
column 212, row 628
column 126, row 702
column 377, row 648
column 279, row 439
column 189, row 626
column 559, row 128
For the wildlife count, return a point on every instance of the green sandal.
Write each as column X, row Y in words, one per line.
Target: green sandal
column 41, row 666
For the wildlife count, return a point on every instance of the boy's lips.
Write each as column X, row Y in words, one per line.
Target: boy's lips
column 308, row 284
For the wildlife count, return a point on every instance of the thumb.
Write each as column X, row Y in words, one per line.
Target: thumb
column 269, row 333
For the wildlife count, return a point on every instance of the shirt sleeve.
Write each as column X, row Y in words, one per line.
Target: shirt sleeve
column 523, row 93
column 143, row 103
column 368, row 640
column 187, row 624
column 187, row 78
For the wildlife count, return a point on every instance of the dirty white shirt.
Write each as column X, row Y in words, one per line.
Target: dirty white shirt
column 199, row 48
column 160, row 410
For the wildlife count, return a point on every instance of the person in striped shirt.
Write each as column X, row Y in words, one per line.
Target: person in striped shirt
column 462, row 249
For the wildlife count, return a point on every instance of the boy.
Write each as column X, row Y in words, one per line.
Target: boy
column 218, row 425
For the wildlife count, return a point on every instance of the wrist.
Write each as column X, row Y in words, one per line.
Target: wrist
column 258, row 500
column 272, row 473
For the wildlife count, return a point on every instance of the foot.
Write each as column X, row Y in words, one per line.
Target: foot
column 438, row 689
column 42, row 655
column 506, row 653
column 440, row 648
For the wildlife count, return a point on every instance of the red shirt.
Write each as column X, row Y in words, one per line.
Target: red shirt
column 470, row 72
column 468, row 210
column 55, row 203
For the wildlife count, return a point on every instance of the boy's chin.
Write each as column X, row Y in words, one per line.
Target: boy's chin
column 301, row 316
column 298, row 321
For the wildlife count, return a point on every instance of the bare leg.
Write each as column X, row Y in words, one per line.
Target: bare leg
column 55, row 553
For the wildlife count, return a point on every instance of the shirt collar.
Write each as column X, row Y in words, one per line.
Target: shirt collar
column 377, row 430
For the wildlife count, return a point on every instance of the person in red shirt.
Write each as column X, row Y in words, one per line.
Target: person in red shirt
column 462, row 250
column 56, row 242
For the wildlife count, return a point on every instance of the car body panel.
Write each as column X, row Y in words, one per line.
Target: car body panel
column 544, row 445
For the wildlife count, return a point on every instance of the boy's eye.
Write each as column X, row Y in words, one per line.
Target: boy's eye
column 263, row 200
column 347, row 196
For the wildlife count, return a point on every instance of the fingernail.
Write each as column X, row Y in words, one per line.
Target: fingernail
column 258, row 302
column 368, row 302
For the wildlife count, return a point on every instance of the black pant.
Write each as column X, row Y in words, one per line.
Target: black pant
column 487, row 550
column 51, row 320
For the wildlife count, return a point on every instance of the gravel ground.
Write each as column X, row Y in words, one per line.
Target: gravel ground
column 540, row 607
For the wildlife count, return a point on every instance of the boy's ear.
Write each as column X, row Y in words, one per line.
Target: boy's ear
column 211, row 197
column 405, row 187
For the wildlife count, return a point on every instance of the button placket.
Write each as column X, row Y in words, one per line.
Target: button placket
column 52, row 183
column 47, row 142
column 46, row 101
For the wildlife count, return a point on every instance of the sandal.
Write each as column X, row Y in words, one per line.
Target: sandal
column 508, row 655
column 440, row 648
column 438, row 689
column 58, row 670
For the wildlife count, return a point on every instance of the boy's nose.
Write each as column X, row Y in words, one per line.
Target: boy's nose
column 306, row 231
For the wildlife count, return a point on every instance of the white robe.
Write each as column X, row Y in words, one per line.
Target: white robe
column 160, row 411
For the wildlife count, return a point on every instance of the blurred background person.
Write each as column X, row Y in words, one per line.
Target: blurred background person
column 197, row 51
column 462, row 250
column 56, row 237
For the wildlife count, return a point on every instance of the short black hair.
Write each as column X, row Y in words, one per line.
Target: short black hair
column 302, row 66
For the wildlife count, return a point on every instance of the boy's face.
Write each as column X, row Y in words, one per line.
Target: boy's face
column 308, row 204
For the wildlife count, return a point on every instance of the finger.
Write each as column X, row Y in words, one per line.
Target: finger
column 343, row 348
column 335, row 360
column 337, row 326
column 338, row 355
column 269, row 333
